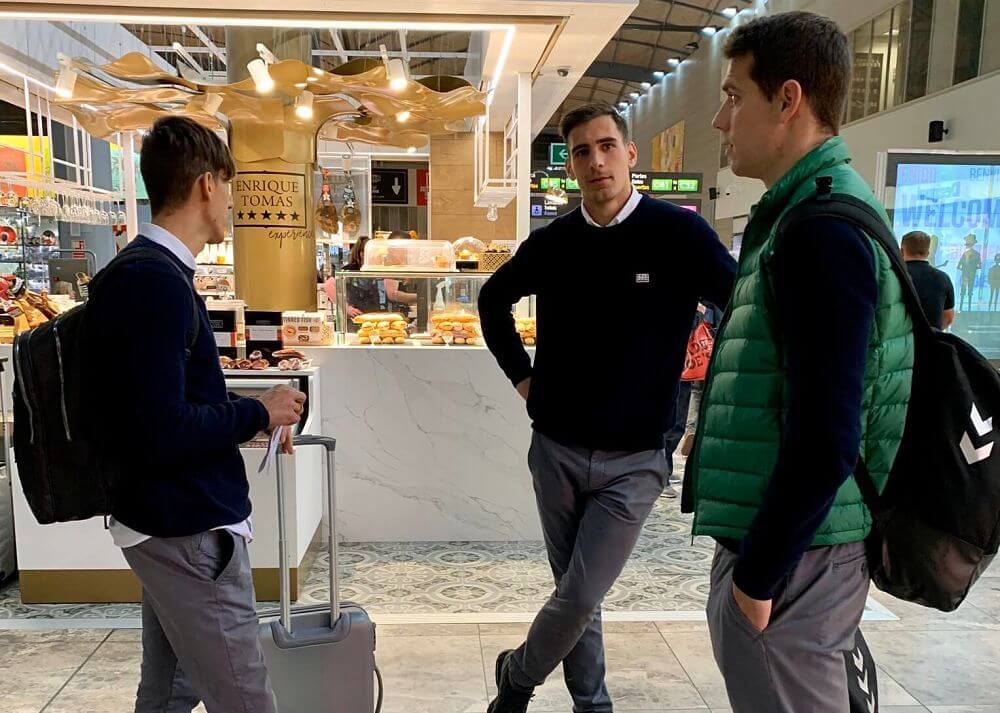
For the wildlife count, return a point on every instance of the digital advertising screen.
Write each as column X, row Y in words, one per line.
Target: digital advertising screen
column 955, row 199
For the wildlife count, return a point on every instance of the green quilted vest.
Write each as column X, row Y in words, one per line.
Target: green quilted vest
column 743, row 406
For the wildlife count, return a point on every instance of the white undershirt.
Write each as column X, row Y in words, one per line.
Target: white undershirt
column 123, row 536
column 630, row 205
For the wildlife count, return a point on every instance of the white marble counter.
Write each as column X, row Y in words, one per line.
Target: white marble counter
column 432, row 444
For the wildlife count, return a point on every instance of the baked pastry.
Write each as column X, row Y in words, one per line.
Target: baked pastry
column 288, row 354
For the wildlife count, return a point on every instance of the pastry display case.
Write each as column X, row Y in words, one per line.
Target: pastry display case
column 390, row 307
column 409, row 256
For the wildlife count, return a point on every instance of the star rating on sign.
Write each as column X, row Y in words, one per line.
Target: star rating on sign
column 251, row 215
column 266, row 215
column 240, row 215
column 281, row 215
column 295, row 216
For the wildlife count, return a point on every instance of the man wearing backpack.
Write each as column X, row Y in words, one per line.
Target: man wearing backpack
column 791, row 399
column 169, row 435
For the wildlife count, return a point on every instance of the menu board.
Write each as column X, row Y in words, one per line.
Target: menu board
column 655, row 182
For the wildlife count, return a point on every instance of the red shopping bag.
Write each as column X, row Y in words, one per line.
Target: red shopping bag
column 699, row 352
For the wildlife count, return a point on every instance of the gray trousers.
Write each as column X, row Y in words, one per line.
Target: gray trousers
column 199, row 626
column 797, row 664
column 592, row 506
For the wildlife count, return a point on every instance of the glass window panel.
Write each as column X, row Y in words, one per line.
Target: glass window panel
column 899, row 51
column 991, row 38
column 884, row 47
column 919, row 49
column 969, row 43
column 860, row 73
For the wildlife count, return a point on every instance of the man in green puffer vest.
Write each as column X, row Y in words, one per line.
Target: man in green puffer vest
column 812, row 368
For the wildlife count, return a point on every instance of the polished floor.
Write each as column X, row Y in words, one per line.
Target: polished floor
column 446, row 609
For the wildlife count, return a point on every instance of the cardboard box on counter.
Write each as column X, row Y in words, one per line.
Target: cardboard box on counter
column 228, row 328
column 263, row 333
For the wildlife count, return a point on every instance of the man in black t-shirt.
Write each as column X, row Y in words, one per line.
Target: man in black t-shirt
column 937, row 294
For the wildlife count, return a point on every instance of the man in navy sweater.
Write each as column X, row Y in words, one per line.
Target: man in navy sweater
column 180, row 511
column 602, row 390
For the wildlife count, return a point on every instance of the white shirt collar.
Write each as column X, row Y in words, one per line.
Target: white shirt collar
column 164, row 238
column 630, row 205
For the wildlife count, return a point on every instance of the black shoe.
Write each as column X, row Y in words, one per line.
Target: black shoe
column 510, row 698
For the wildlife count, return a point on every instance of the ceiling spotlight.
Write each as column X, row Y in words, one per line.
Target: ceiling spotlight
column 396, row 69
column 659, row 75
column 623, row 105
column 709, row 31
column 317, row 71
column 212, row 103
column 645, row 85
column 730, row 12
column 261, row 75
column 311, row 80
column 304, row 105
column 673, row 61
column 492, row 215
column 411, row 149
column 301, row 85
column 265, row 53
column 403, row 117
column 634, row 95
column 65, row 82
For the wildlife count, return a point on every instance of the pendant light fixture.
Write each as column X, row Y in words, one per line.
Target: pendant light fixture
column 261, row 76
column 304, row 105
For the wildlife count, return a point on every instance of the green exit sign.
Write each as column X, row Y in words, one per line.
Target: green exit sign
column 558, row 154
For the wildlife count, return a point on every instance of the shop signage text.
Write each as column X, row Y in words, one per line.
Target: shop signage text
column 390, row 185
column 270, row 200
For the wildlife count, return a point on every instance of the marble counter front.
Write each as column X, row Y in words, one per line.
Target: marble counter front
column 431, row 445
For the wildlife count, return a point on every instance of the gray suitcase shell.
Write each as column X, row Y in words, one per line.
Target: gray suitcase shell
column 316, row 667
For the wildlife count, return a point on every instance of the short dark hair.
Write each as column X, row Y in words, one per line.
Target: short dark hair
column 917, row 243
column 802, row 46
column 175, row 152
column 589, row 112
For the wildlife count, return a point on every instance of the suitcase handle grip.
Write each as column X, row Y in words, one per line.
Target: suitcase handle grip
column 284, row 572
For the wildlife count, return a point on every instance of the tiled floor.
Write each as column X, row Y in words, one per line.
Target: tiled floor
column 925, row 664
column 928, row 661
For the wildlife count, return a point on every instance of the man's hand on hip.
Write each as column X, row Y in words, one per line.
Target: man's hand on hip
column 523, row 388
column 757, row 611
column 284, row 406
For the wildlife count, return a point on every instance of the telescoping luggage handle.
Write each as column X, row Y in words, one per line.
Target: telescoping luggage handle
column 284, row 569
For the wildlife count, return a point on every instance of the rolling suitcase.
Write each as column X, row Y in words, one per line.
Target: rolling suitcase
column 321, row 658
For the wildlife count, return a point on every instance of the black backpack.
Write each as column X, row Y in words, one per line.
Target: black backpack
column 57, row 463
column 937, row 522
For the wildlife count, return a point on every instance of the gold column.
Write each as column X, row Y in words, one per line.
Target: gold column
column 274, row 243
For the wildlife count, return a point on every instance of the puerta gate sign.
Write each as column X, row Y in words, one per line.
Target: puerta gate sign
column 390, row 185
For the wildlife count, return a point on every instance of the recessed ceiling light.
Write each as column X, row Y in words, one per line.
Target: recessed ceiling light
column 311, row 79
column 673, row 61
column 301, row 85
column 634, row 95
column 730, row 12
column 709, row 31
column 645, row 85
column 659, row 75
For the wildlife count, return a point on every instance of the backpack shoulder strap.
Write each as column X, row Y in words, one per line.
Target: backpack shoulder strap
column 141, row 254
column 853, row 210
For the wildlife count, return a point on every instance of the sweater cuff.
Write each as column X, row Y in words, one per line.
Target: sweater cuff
column 751, row 583
column 518, row 375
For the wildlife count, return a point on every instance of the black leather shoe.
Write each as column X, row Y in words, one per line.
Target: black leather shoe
column 510, row 698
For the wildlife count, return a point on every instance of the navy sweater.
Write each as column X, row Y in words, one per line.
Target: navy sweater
column 614, row 308
column 825, row 293
column 165, row 425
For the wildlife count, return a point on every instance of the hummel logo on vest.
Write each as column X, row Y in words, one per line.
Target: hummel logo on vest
column 983, row 427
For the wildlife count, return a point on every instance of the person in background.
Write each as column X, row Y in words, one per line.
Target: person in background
column 712, row 316
column 363, row 294
column 934, row 288
column 994, row 280
column 402, row 295
column 168, row 434
column 599, row 408
column 794, row 397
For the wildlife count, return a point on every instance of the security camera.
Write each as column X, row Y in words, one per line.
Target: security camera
column 563, row 71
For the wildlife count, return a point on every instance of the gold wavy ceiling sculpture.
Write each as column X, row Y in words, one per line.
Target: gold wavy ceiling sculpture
column 353, row 102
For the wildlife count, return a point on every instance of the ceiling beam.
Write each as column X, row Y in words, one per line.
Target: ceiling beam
column 209, row 45
column 339, row 44
column 690, row 6
column 664, row 27
column 621, row 72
